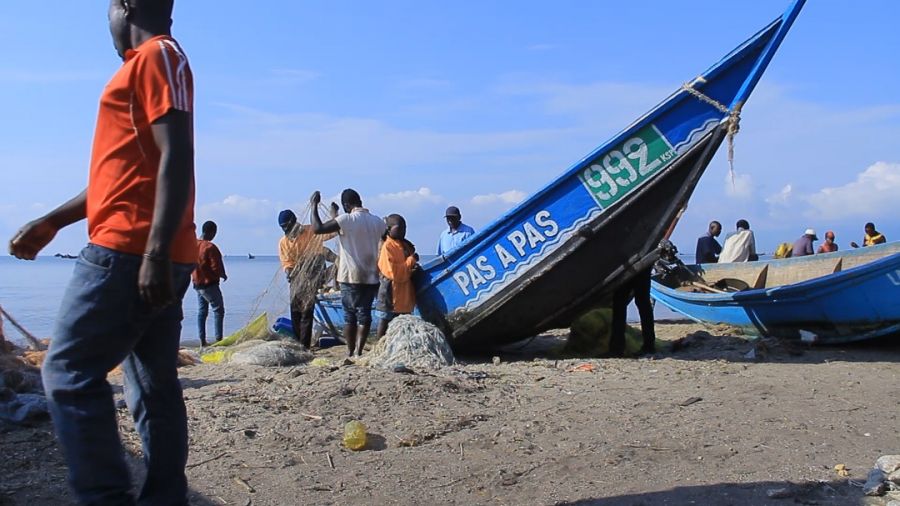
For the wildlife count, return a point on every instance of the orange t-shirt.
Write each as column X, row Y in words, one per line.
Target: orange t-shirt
column 154, row 79
column 396, row 262
column 210, row 267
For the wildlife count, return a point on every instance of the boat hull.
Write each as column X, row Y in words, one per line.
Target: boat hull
column 859, row 303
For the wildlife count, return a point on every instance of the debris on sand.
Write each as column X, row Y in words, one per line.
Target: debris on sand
column 589, row 335
column 885, row 475
column 21, row 393
column 414, row 343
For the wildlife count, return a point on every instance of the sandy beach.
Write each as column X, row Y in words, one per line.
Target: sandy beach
column 705, row 424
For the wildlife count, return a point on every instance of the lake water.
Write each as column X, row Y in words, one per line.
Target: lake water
column 32, row 292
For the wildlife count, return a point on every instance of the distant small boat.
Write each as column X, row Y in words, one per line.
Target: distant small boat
column 250, row 256
column 830, row 298
column 66, row 256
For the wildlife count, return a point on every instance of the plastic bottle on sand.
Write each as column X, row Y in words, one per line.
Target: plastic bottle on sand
column 355, row 435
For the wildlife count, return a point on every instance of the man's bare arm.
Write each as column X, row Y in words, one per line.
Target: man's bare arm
column 173, row 136
column 318, row 228
column 36, row 234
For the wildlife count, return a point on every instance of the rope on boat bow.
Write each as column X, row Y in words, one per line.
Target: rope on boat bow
column 734, row 117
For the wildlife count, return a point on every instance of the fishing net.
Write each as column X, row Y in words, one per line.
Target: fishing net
column 271, row 354
column 412, row 342
column 258, row 352
column 314, row 270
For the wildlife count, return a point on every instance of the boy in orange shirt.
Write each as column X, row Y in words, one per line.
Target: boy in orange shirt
column 396, row 264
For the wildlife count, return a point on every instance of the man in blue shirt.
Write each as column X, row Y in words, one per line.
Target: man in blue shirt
column 457, row 233
column 708, row 247
column 804, row 245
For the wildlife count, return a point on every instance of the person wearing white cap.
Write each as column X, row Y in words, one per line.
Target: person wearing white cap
column 804, row 245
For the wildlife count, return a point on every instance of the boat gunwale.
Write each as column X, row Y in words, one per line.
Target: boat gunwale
column 799, row 290
column 459, row 257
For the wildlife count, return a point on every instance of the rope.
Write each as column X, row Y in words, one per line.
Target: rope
column 734, row 117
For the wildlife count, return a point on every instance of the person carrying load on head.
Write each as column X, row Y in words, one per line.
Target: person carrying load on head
column 396, row 264
column 303, row 260
column 359, row 234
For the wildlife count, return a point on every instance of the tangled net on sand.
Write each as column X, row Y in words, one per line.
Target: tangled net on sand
column 271, row 354
column 412, row 342
column 275, row 353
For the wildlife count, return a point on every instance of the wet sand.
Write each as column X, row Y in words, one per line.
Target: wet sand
column 706, row 424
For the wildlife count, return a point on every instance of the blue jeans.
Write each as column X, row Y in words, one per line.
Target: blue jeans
column 103, row 322
column 210, row 295
column 357, row 301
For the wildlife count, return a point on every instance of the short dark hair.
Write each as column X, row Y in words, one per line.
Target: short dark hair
column 743, row 224
column 714, row 222
column 394, row 219
column 209, row 226
column 391, row 220
column 156, row 10
column 870, row 225
column 350, row 196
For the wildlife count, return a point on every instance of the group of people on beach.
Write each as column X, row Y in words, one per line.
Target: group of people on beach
column 375, row 262
column 740, row 245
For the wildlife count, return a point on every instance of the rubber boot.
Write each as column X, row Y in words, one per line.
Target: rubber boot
column 350, row 338
column 361, row 337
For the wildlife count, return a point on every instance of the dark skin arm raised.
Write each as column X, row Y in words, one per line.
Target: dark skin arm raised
column 37, row 234
column 173, row 137
column 319, row 228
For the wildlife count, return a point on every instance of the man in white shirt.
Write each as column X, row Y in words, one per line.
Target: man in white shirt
column 359, row 234
column 739, row 246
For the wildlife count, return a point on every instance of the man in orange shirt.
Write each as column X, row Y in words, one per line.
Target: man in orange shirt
column 303, row 258
column 210, row 269
column 123, row 304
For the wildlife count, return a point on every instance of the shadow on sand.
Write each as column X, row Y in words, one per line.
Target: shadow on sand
column 708, row 344
column 756, row 493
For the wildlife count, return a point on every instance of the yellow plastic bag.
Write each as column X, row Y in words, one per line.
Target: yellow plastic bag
column 320, row 362
column 215, row 357
column 257, row 329
column 590, row 333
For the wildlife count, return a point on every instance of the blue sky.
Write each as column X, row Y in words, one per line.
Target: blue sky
column 420, row 105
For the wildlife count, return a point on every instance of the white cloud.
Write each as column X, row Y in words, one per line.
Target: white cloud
column 507, row 197
column 239, row 206
column 872, row 195
column 422, row 195
column 782, row 197
column 739, row 186
column 354, row 146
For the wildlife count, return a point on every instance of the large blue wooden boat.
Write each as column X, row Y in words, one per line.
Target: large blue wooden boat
column 570, row 244
column 830, row 298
